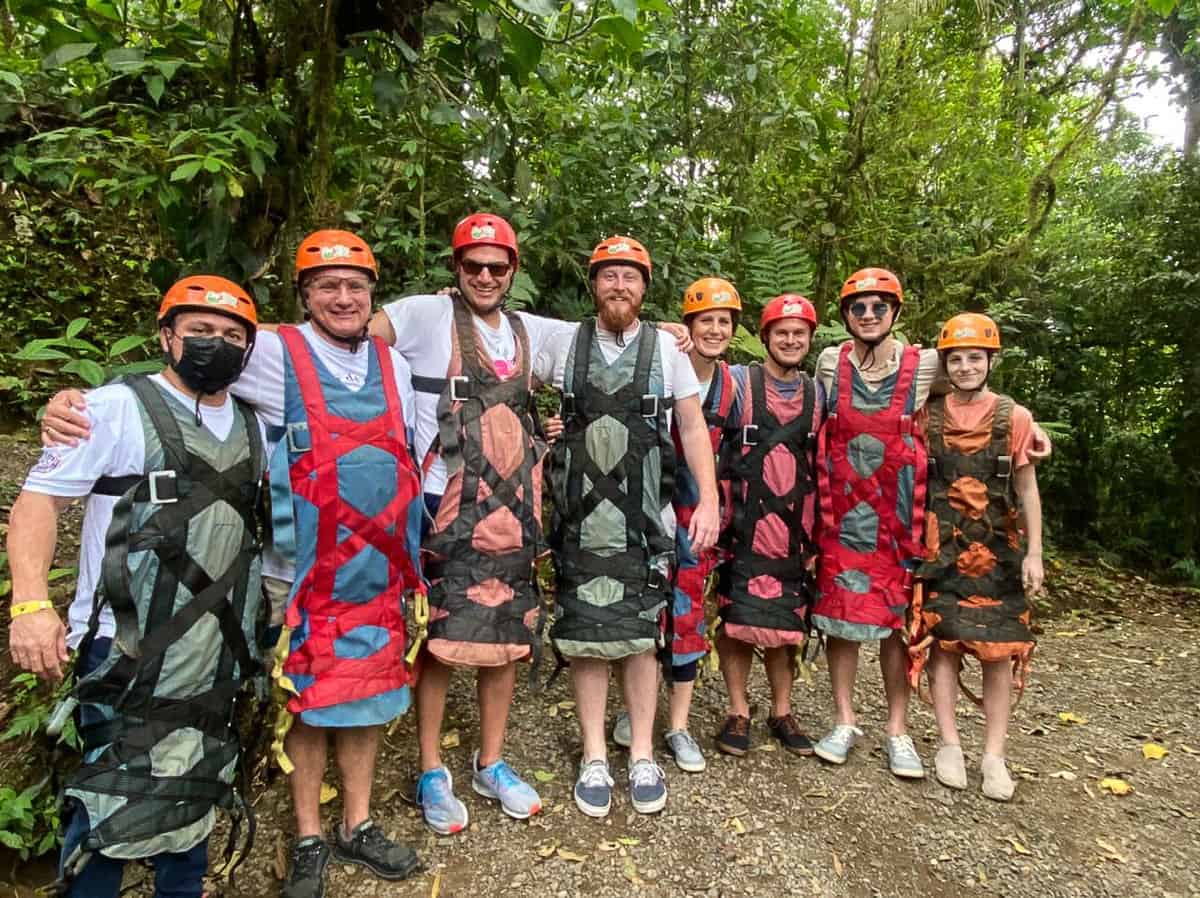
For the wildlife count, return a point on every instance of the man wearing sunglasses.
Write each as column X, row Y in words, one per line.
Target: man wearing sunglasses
column 872, row 468
column 476, row 435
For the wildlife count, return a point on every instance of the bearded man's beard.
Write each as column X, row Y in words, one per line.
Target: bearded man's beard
column 618, row 317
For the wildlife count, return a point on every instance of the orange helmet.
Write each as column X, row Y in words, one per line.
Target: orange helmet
column 334, row 249
column 711, row 293
column 789, row 305
column 209, row 293
column 873, row 280
column 969, row 330
column 484, row 229
column 620, row 249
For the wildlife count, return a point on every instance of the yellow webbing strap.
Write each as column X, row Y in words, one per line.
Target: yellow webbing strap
column 282, row 688
column 421, row 619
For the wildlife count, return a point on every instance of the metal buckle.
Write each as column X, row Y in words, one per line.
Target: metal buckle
column 454, row 382
column 167, row 493
column 566, row 408
column 655, row 579
column 294, row 428
column 1004, row 466
column 653, row 413
column 747, row 429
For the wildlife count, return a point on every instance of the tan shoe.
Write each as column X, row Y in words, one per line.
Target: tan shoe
column 997, row 784
column 949, row 767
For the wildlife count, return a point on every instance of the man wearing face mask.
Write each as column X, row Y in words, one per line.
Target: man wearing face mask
column 346, row 532
column 614, row 529
column 167, row 597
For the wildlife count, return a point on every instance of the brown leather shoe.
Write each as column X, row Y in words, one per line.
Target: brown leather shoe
column 734, row 738
column 789, row 734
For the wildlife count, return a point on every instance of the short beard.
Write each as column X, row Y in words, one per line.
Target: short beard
column 471, row 303
column 617, row 322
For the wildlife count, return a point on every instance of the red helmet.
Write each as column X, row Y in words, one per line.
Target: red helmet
column 788, row 305
column 334, row 249
column 209, row 293
column 485, row 229
column 873, row 280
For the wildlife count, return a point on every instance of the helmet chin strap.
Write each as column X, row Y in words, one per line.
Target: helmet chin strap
column 871, row 345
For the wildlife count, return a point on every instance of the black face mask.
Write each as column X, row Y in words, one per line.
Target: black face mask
column 208, row 364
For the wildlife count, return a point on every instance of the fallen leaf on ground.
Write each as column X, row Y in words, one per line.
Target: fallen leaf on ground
column 1187, row 749
column 552, row 711
column 437, row 885
column 328, row 793
column 566, row 706
column 1115, row 785
column 629, row 840
column 543, row 776
column 450, row 740
column 630, row 871
column 609, row 846
column 571, row 856
column 1071, row 717
column 837, row 864
column 1111, row 853
column 1016, row 845
column 1063, row 775
column 548, row 849
column 736, row 825
column 1152, row 751
column 766, row 746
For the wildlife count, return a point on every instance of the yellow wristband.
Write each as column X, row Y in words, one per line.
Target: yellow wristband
column 30, row 607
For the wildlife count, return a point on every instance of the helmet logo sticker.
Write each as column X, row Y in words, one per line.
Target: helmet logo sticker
column 483, row 232
column 622, row 247
column 722, row 296
column 864, row 283
column 792, row 308
column 337, row 251
column 220, row 298
column 964, row 333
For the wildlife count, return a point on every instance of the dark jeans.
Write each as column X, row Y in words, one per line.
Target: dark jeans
column 175, row 875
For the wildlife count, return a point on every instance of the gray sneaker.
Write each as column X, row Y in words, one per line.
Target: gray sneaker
column 903, row 759
column 622, row 730
column 593, row 789
column 837, row 743
column 647, row 787
column 688, row 756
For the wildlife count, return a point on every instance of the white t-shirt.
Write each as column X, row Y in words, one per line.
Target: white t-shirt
column 261, row 385
column 117, row 448
column 423, row 325
column 679, row 377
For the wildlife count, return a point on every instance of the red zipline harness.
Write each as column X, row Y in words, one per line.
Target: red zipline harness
column 974, row 602
column 328, row 615
column 485, row 609
column 862, row 579
column 767, row 587
column 687, row 621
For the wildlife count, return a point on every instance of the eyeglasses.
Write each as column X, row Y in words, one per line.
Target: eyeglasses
column 495, row 269
column 878, row 309
column 333, row 286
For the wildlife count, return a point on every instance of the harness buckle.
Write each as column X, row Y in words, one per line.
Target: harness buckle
column 164, row 488
column 655, row 579
column 649, row 401
column 749, row 434
column 1004, row 466
column 454, row 382
column 293, row 443
column 906, row 425
column 566, row 408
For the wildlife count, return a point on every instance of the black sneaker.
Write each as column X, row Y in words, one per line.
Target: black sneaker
column 306, row 878
column 789, row 734
column 372, row 849
column 734, row 738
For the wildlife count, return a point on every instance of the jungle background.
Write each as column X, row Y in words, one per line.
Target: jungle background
column 989, row 152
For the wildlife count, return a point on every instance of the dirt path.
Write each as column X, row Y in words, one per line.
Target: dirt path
column 1104, row 685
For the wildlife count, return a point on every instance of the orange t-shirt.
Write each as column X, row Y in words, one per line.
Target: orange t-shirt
column 967, row 427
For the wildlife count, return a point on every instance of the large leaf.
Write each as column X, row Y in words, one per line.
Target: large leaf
column 65, row 54
column 126, row 343
column 538, row 7
column 525, row 45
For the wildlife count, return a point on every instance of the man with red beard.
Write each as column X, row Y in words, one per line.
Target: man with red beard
column 614, row 530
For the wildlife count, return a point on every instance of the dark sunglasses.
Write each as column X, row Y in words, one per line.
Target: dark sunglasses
column 878, row 309
column 496, row 269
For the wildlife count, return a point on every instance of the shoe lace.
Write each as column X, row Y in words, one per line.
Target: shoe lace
column 595, row 774
column 505, row 776
column 738, row 726
column 371, row 836
column 686, row 738
column 787, row 725
column 843, row 734
column 434, row 787
column 903, row 744
column 645, row 773
column 305, row 860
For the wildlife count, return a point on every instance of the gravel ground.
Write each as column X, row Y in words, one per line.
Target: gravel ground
column 1114, row 671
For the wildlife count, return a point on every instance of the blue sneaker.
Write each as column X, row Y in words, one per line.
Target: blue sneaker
column 444, row 813
column 647, row 787
column 593, row 789
column 500, row 782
